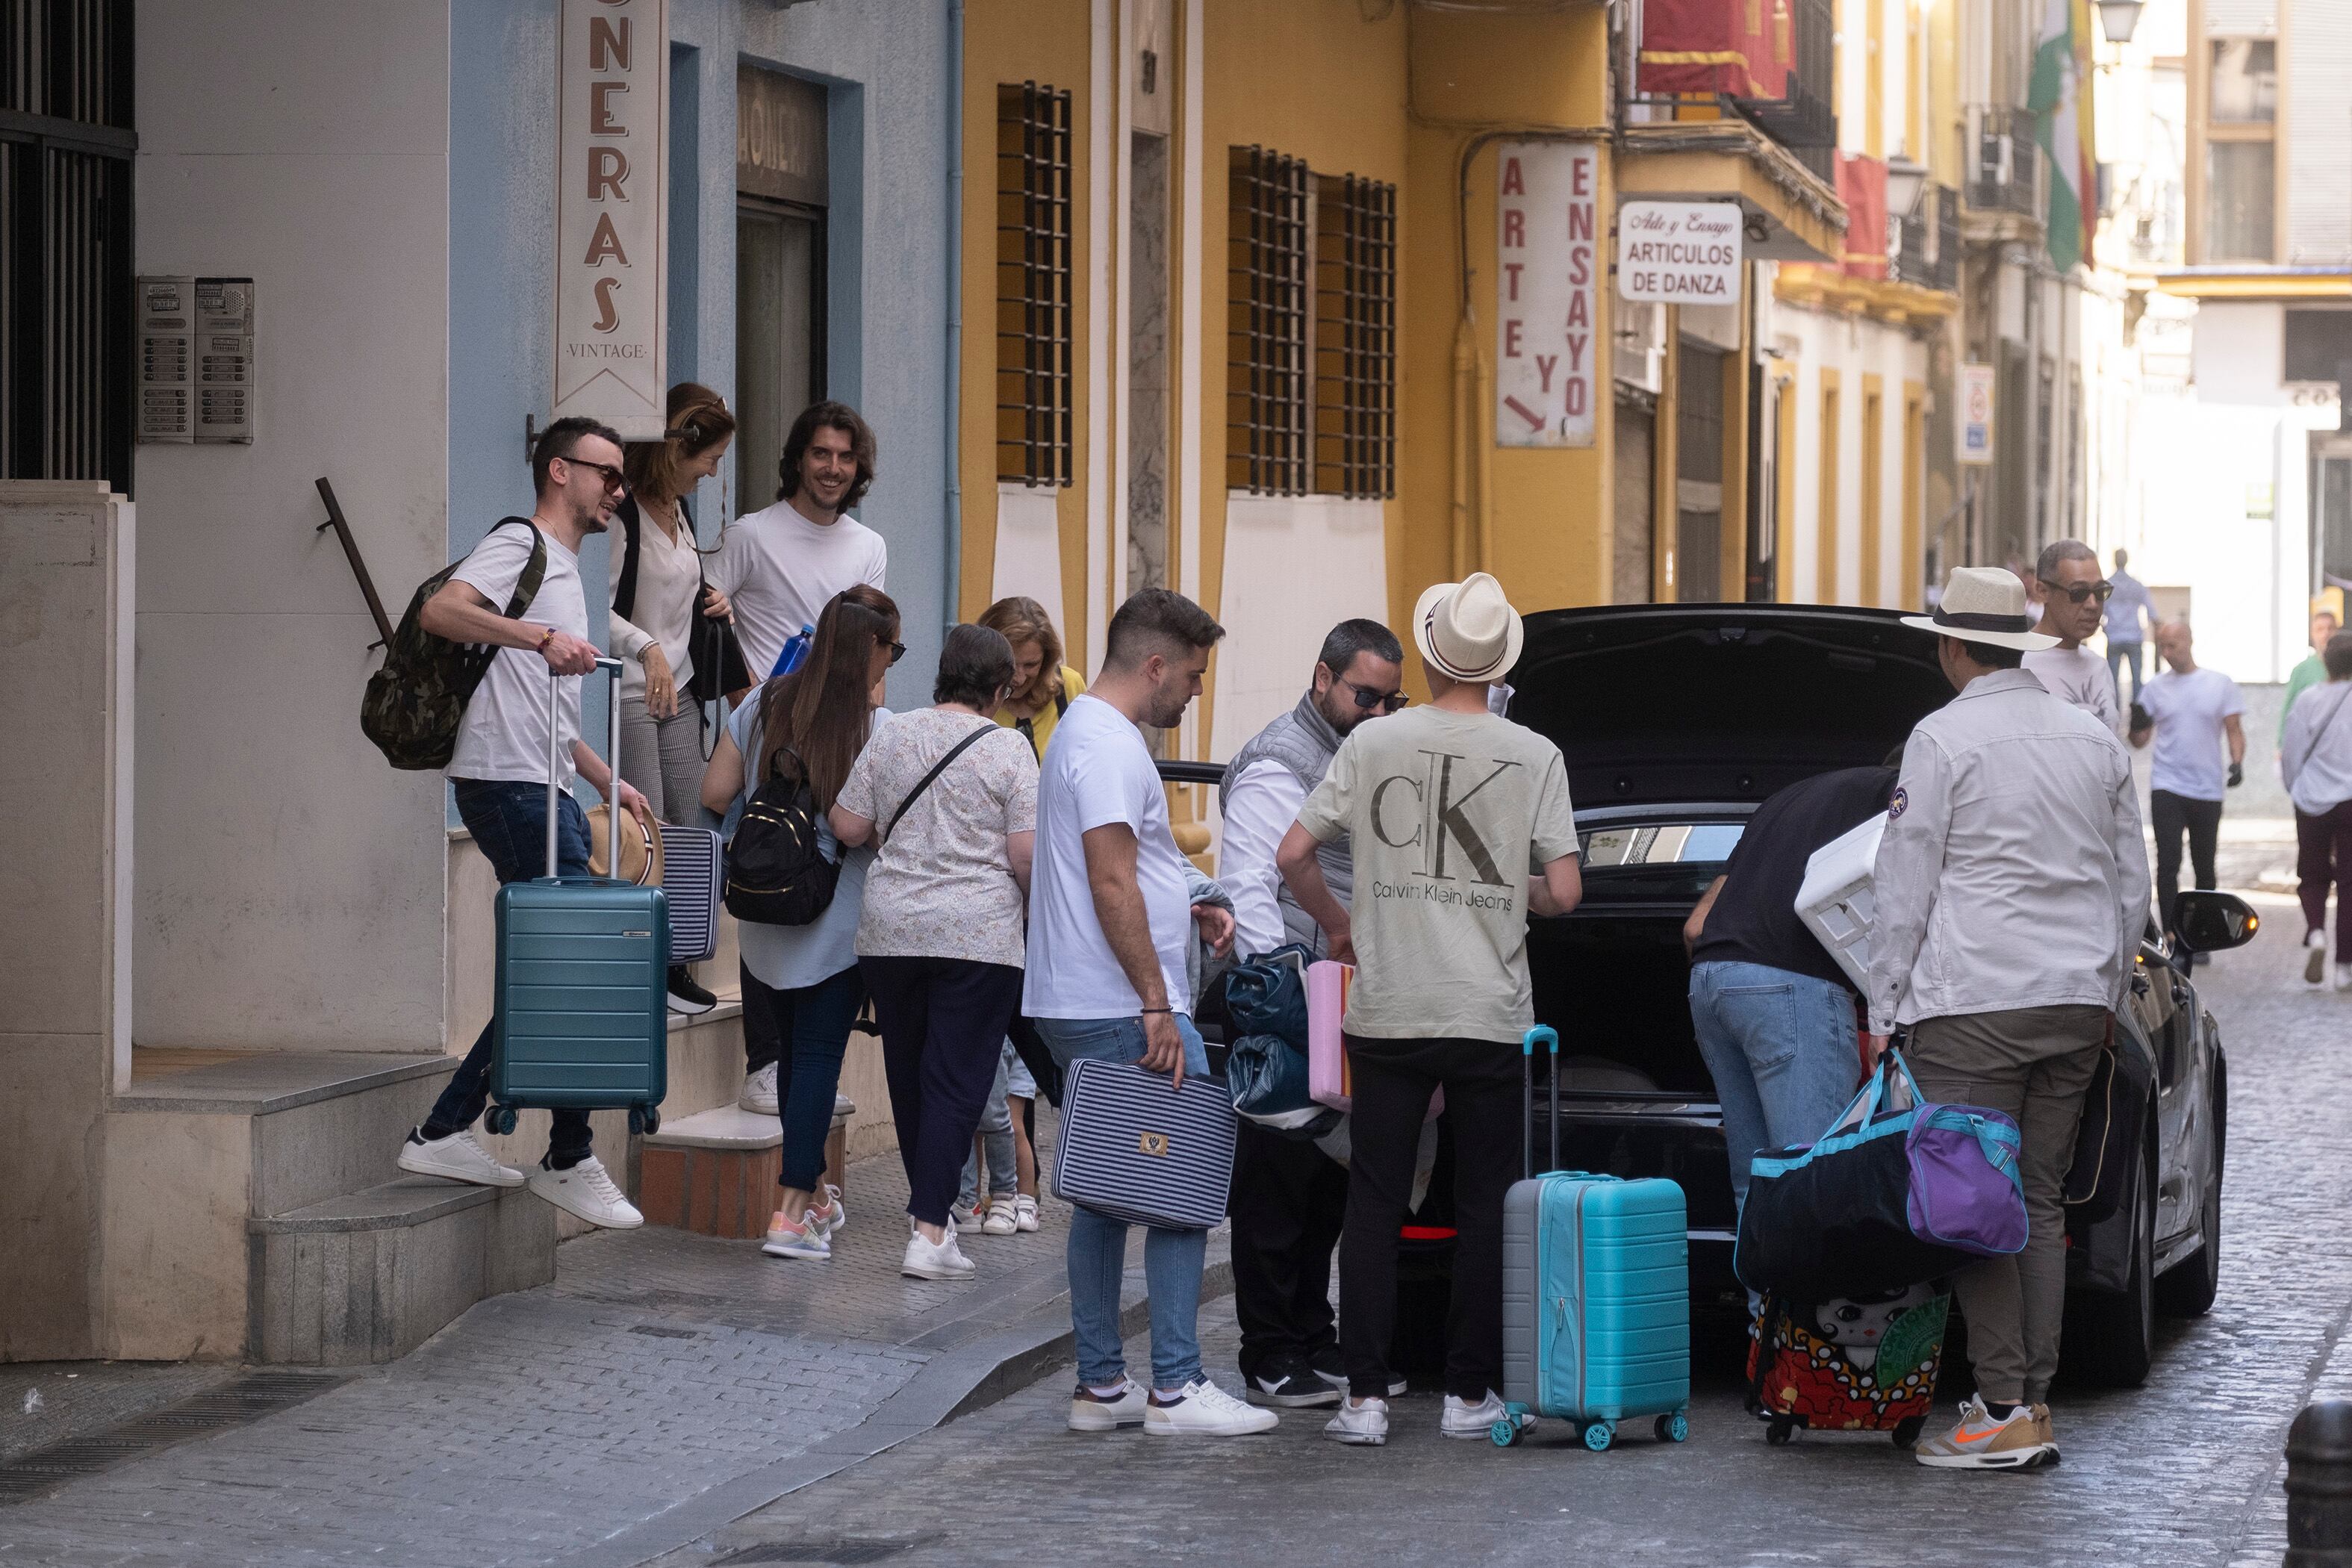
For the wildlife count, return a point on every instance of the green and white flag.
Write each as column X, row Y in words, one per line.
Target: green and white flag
column 2061, row 98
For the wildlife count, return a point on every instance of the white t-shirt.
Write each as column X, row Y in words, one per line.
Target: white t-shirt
column 2079, row 677
column 1259, row 808
column 1097, row 772
column 505, row 732
column 779, row 569
column 2191, row 759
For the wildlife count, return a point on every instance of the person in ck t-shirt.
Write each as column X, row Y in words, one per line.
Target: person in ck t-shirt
column 1458, row 824
column 2192, row 713
column 499, row 776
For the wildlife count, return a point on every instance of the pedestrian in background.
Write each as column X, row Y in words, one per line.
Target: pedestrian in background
column 781, row 566
column 2312, row 671
column 802, row 986
column 1446, row 807
column 2011, row 892
column 2072, row 593
column 1111, row 923
column 498, row 775
column 940, row 941
column 2129, row 608
column 2315, row 761
column 1289, row 1197
column 1043, row 686
column 656, row 591
column 2193, row 714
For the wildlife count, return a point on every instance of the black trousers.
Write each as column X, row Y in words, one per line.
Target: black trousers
column 1394, row 1080
column 943, row 1023
column 1289, row 1200
column 2173, row 814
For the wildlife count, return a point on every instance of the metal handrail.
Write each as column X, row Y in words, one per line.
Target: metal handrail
column 359, row 567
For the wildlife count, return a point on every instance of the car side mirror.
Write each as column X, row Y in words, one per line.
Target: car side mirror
column 2209, row 922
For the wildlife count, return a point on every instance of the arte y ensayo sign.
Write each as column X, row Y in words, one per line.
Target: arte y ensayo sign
column 1547, row 261
column 611, row 223
column 1679, row 253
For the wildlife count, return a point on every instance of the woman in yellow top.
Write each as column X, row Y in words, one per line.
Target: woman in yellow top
column 1043, row 685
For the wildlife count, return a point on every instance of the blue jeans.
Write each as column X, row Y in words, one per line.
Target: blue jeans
column 1781, row 1048
column 2122, row 656
column 508, row 822
column 1172, row 1260
column 806, row 1032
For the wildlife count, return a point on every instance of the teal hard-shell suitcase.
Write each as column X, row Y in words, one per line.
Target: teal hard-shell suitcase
column 583, row 987
column 1596, row 1295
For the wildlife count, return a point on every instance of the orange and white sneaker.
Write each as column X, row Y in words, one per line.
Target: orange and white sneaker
column 806, row 1239
column 2014, row 1442
column 2048, row 1436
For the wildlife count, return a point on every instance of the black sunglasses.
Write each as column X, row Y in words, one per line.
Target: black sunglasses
column 614, row 478
column 1386, row 701
column 898, row 651
column 2102, row 590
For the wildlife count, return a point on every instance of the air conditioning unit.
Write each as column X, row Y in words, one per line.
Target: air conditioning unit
column 1638, row 352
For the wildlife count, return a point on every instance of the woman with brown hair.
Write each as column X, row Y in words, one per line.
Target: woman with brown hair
column 800, row 984
column 1043, row 686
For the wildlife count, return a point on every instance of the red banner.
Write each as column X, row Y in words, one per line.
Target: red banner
column 1862, row 187
column 1741, row 47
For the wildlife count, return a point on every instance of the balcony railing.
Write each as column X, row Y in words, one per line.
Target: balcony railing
column 1926, row 250
column 1804, row 122
column 2005, row 169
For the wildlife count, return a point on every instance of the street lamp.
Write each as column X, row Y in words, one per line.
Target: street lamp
column 2119, row 19
column 1906, row 181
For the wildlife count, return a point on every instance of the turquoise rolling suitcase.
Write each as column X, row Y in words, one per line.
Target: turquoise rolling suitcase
column 1596, row 1294
column 583, row 983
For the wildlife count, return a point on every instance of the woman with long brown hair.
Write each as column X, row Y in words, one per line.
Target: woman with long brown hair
column 800, row 984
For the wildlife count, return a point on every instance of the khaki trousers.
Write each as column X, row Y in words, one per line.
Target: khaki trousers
column 2031, row 1064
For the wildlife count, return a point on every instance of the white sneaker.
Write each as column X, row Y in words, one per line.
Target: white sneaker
column 963, row 1221
column 935, row 1261
column 1366, row 1425
column 2344, row 977
column 1024, row 1214
column 1201, row 1409
column 806, row 1239
column 585, row 1190
column 843, row 1105
column 759, row 1095
column 1000, row 1220
column 2314, row 964
column 1090, row 1412
column 831, row 1214
column 457, row 1157
column 1463, row 1419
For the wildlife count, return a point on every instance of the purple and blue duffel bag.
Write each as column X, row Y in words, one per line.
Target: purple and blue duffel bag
column 1897, row 1191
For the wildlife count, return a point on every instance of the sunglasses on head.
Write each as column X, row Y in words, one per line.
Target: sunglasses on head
column 1386, row 701
column 2102, row 590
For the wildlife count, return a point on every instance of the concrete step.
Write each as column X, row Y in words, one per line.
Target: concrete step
column 713, row 1172
column 367, row 1275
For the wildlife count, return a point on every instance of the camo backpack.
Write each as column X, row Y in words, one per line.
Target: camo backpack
column 415, row 704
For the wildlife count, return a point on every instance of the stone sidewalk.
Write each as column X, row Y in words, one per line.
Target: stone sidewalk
column 663, row 1386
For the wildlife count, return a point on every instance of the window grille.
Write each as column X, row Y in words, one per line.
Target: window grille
column 1355, row 337
column 1266, row 369
column 1034, row 418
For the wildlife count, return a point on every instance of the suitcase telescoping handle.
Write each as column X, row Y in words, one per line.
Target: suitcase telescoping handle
column 1550, row 1039
column 555, row 767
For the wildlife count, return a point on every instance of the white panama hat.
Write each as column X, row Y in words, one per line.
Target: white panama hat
column 1467, row 629
column 1984, row 605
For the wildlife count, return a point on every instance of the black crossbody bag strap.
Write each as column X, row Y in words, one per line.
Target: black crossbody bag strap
column 937, row 769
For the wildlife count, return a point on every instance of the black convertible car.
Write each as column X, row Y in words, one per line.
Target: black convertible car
column 1676, row 721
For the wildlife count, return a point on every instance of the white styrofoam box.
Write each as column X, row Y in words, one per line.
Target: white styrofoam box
column 1835, row 902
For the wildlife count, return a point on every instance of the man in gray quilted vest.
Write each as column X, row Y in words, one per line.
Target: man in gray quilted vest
column 1290, row 1198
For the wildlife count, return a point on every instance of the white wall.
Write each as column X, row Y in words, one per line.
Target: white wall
column 1296, row 566
column 1855, row 347
column 290, row 884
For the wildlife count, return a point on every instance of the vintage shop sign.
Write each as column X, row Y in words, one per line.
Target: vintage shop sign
column 1547, row 261
column 611, row 223
column 1679, row 253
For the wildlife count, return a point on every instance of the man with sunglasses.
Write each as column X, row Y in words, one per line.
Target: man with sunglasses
column 1290, row 1198
column 2074, row 596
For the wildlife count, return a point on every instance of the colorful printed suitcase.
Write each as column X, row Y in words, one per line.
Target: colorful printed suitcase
column 583, row 983
column 1596, row 1294
column 693, row 880
column 1866, row 1366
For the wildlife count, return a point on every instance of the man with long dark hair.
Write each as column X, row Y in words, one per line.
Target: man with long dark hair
column 780, row 566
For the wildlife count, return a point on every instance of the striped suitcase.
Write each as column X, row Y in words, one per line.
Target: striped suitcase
column 694, row 879
column 583, row 985
column 1596, row 1294
column 1136, row 1150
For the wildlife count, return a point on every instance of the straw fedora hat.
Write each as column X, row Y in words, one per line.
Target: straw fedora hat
column 1467, row 629
column 1984, row 605
column 641, row 847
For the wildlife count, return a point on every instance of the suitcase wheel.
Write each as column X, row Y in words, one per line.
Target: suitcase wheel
column 1505, row 1433
column 1599, row 1436
column 644, row 1119
column 1674, row 1427
column 1779, row 1432
column 1906, row 1431
column 501, row 1119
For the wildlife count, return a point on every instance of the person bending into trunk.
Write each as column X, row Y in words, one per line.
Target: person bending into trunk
column 1447, row 807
